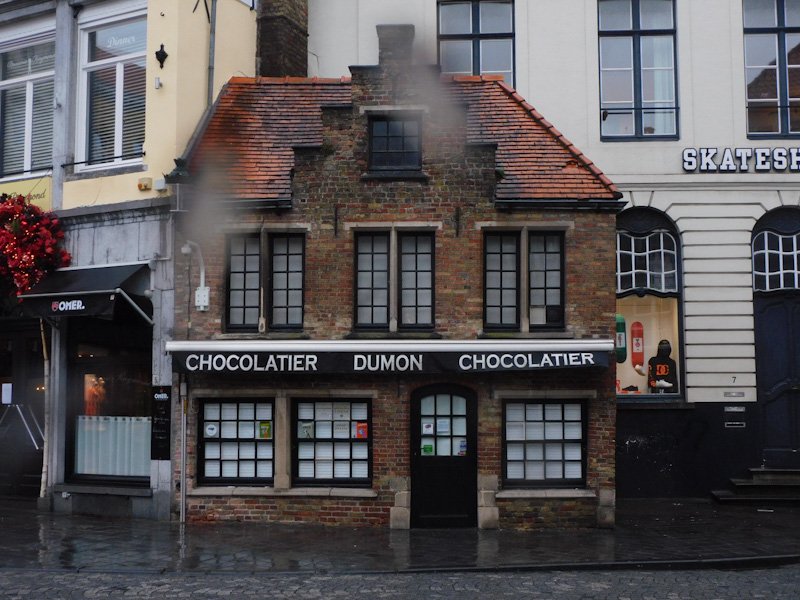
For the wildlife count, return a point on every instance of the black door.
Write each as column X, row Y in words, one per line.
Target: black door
column 777, row 333
column 444, row 458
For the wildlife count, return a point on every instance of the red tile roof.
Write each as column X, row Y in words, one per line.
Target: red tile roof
column 257, row 122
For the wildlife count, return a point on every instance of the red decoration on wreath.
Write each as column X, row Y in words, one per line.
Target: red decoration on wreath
column 29, row 245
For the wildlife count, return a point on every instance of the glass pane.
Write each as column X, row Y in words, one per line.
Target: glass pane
column 212, row 451
column 264, row 469
column 616, row 87
column 515, row 470
column 212, row 468
column 133, row 97
column 655, row 14
column 614, row 14
column 459, row 405
column 496, row 56
column 792, row 13
column 760, row 13
column 230, row 450
column 495, row 17
column 657, row 52
column 211, row 412
column 762, row 118
column 443, row 447
column 324, row 469
column 264, row 450
column 360, row 470
column 442, row 404
column 100, row 111
column 247, row 468
column 760, row 50
column 616, row 123
column 27, row 61
column 12, row 108
column 515, row 452
column 455, row 17
column 42, row 126
column 117, row 40
column 228, row 429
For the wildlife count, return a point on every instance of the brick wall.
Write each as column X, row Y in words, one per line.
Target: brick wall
column 332, row 197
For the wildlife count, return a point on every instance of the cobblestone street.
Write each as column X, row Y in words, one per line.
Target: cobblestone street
column 775, row 584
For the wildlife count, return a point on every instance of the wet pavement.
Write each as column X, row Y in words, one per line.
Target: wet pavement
column 653, row 534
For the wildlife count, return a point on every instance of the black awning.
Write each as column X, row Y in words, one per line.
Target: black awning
column 87, row 292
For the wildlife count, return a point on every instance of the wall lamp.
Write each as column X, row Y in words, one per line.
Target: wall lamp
column 202, row 295
column 161, row 56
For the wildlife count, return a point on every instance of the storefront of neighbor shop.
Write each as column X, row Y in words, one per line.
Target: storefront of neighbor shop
column 405, row 433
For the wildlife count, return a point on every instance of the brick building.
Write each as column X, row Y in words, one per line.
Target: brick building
column 395, row 306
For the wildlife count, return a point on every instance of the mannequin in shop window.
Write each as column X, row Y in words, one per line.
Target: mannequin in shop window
column 662, row 373
column 94, row 396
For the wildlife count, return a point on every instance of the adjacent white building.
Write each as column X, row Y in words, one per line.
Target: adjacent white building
column 693, row 110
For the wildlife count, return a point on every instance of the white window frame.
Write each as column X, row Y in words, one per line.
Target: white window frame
column 28, row 81
column 85, row 67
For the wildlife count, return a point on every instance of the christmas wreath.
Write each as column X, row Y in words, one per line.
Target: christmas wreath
column 29, row 245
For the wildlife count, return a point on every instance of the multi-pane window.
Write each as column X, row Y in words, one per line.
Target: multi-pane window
column 541, row 262
column 331, row 442
column 647, row 262
column 637, row 68
column 113, row 93
column 776, row 261
column 284, row 294
column 411, row 304
column 772, row 66
column 286, row 276
column 443, row 422
column 544, row 443
column 394, row 143
column 477, row 37
column 26, row 109
column 236, row 441
column 648, row 304
column 416, row 280
column 244, row 281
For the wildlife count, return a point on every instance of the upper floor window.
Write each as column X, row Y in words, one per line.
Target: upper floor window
column 26, row 109
column 477, row 37
column 533, row 261
column 394, row 143
column 112, row 93
column 772, row 66
column 637, row 69
column 410, row 306
column 648, row 304
column 283, row 297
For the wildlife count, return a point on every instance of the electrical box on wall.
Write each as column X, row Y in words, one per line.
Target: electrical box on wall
column 202, row 298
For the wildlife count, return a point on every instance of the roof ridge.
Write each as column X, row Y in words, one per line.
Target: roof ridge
column 287, row 80
column 560, row 138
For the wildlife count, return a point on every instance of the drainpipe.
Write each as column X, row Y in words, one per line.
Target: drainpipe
column 212, row 40
column 184, row 407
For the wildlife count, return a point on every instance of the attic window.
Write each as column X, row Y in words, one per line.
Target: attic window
column 394, row 143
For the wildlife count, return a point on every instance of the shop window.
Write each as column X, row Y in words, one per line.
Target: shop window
column 772, row 67
column 531, row 260
column 411, row 306
column 284, row 294
column 648, row 305
column 544, row 443
column 477, row 38
column 236, row 442
column 110, row 407
column 112, row 93
column 26, row 109
column 332, row 442
column 637, row 69
column 395, row 143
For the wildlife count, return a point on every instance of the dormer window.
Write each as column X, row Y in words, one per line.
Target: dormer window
column 394, row 143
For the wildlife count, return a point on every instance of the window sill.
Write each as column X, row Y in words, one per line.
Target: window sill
column 270, row 335
column 533, row 335
column 650, row 403
column 642, row 138
column 399, row 175
column 103, row 490
column 393, row 335
column 298, row 492
column 107, row 171
column 551, row 493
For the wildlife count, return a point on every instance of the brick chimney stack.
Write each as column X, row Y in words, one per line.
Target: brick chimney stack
column 283, row 38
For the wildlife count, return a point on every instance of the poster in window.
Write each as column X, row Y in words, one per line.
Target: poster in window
column 265, row 430
column 443, row 426
column 341, row 411
column 427, row 429
column 362, row 430
column 427, row 449
column 305, row 430
column 341, row 429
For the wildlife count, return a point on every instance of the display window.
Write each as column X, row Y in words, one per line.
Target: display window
column 331, row 442
column 648, row 320
column 110, row 408
column 236, row 441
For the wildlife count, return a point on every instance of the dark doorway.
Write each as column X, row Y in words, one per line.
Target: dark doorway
column 444, row 457
column 777, row 333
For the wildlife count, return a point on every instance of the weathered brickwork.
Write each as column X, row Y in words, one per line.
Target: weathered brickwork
column 283, row 38
column 334, row 195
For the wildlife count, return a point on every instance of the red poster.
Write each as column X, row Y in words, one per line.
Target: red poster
column 361, row 430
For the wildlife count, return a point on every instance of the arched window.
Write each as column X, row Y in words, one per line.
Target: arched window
column 649, row 291
column 776, row 251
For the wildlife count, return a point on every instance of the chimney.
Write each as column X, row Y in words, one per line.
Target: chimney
column 282, row 43
column 395, row 43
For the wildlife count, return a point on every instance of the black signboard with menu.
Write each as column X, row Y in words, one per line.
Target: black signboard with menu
column 160, row 433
